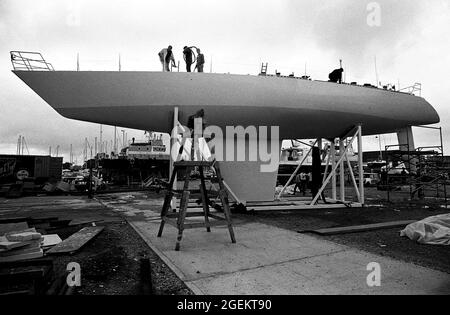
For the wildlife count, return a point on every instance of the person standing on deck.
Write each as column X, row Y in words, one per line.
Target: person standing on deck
column 188, row 56
column 200, row 61
column 166, row 56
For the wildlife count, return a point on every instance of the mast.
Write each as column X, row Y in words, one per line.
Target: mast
column 376, row 72
column 101, row 138
column 115, row 140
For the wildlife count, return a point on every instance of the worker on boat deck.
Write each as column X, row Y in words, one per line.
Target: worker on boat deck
column 200, row 61
column 166, row 56
column 188, row 57
column 336, row 76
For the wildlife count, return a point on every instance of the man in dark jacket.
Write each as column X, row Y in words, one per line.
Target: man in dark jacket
column 336, row 76
column 188, row 56
column 200, row 61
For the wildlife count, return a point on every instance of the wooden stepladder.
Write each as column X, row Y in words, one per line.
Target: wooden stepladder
column 178, row 219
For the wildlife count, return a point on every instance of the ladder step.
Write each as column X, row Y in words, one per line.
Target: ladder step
column 195, row 214
column 192, row 191
column 195, row 225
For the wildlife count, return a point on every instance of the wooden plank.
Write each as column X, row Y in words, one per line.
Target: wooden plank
column 194, row 225
column 202, row 224
column 12, row 227
column 29, row 247
column 305, row 207
column 360, row 228
column 6, row 245
column 50, row 240
column 24, row 236
column 76, row 241
column 271, row 203
column 188, row 215
column 25, row 256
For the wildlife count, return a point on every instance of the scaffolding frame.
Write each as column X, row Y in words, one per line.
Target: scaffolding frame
column 419, row 168
column 337, row 168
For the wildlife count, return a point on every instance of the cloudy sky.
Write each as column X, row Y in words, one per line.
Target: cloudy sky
column 410, row 44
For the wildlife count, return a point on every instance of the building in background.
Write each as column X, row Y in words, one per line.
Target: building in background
column 20, row 167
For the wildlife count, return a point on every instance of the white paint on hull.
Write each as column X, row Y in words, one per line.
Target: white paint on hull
column 302, row 109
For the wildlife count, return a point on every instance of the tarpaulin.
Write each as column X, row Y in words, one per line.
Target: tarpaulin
column 433, row 230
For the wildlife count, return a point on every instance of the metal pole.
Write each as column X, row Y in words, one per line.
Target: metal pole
column 123, row 138
column 327, row 165
column 352, row 175
column 341, row 171
column 376, row 72
column 173, row 142
column 101, row 138
column 90, row 192
column 115, row 140
column 333, row 166
column 442, row 152
column 172, row 139
column 360, row 165
column 379, row 143
column 210, row 65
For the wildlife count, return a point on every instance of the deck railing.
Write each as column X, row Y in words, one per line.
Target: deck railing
column 29, row 61
column 416, row 88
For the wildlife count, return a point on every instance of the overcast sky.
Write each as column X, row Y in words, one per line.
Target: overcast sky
column 411, row 44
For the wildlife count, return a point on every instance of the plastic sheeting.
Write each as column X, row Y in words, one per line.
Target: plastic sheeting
column 433, row 230
column 288, row 191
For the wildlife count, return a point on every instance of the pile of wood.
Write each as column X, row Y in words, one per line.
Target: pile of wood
column 19, row 242
column 27, row 248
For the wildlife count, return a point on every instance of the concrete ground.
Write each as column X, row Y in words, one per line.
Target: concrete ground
column 270, row 260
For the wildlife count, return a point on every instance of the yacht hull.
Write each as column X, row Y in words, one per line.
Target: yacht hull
column 300, row 108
